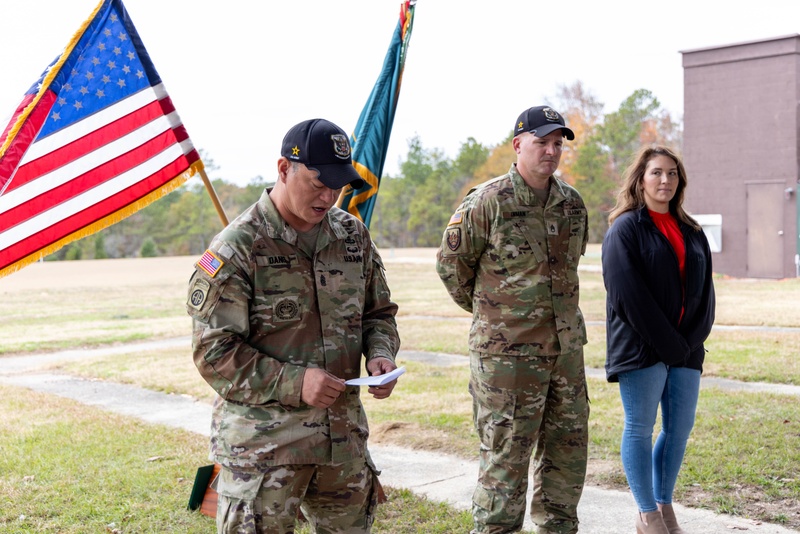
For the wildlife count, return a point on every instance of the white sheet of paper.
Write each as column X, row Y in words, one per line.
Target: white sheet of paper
column 378, row 380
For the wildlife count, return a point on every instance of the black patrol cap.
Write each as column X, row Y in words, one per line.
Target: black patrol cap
column 540, row 121
column 324, row 147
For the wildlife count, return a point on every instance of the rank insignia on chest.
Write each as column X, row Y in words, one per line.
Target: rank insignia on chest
column 453, row 238
column 552, row 228
column 210, row 263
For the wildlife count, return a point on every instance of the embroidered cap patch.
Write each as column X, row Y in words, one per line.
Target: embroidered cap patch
column 210, row 263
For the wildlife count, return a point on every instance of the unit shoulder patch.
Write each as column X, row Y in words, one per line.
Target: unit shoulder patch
column 198, row 293
column 453, row 238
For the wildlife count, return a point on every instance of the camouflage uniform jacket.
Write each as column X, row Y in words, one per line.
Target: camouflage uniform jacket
column 267, row 313
column 514, row 265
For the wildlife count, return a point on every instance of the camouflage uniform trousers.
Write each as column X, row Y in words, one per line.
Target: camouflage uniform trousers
column 335, row 499
column 524, row 405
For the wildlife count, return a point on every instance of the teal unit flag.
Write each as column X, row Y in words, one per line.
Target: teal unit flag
column 370, row 139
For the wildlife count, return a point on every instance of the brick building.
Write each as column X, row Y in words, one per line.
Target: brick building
column 741, row 146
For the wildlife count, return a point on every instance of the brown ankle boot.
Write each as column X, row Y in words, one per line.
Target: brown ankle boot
column 668, row 513
column 650, row 523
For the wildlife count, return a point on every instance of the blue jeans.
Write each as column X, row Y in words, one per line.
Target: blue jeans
column 653, row 469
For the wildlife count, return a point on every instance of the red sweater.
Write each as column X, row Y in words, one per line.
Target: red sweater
column 668, row 225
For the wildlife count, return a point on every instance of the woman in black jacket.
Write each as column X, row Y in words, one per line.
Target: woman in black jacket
column 659, row 312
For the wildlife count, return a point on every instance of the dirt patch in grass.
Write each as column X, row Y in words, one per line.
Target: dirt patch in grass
column 415, row 436
column 745, row 501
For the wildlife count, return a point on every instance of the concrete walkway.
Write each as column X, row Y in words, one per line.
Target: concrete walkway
column 440, row 477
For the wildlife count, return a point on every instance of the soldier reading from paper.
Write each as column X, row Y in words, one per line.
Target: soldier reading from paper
column 285, row 302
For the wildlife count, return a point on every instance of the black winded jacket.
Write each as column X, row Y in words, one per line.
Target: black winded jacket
column 644, row 296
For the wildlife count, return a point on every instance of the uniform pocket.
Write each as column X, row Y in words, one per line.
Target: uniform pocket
column 577, row 230
column 237, row 507
column 239, row 485
column 533, row 242
column 493, row 411
column 483, row 498
column 376, row 497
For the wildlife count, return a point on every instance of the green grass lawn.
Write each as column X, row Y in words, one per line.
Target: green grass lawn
column 743, row 455
column 67, row 468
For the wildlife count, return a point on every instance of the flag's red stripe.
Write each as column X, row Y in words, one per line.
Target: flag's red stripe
column 25, row 101
column 166, row 105
column 25, row 136
column 86, row 144
column 70, row 225
column 180, row 133
column 80, row 184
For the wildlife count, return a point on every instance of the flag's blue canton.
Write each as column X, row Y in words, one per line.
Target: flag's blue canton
column 107, row 69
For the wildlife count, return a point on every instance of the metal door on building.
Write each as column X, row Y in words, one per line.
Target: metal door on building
column 765, row 235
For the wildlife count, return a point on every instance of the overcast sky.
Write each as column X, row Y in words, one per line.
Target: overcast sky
column 241, row 73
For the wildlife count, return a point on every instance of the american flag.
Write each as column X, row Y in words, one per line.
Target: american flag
column 210, row 263
column 95, row 139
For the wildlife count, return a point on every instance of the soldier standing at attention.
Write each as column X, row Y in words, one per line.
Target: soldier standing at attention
column 284, row 303
column 510, row 256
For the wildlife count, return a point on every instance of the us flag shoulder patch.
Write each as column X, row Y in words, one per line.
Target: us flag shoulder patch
column 456, row 218
column 210, row 263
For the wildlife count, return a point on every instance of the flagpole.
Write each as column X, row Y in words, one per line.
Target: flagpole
column 214, row 198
